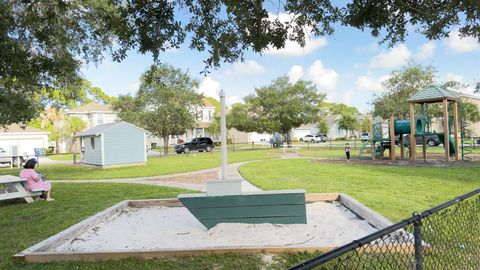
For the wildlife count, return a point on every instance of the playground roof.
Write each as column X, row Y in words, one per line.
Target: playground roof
column 433, row 93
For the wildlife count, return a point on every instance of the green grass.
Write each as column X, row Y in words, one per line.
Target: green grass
column 155, row 166
column 393, row 191
column 23, row 225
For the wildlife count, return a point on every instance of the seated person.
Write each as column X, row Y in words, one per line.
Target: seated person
column 34, row 180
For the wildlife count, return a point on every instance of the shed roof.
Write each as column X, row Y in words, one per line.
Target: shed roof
column 98, row 130
column 433, row 93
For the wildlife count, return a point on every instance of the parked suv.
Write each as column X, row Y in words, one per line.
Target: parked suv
column 197, row 144
column 431, row 139
column 311, row 138
column 365, row 136
column 323, row 137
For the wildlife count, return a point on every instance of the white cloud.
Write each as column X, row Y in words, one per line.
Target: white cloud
column 209, row 88
column 247, row 67
column 457, row 44
column 295, row 73
column 426, row 51
column 324, row 78
column 454, row 77
column 292, row 48
column 370, row 83
column 393, row 58
column 347, row 97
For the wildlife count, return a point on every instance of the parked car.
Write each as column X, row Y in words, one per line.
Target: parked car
column 311, row 138
column 323, row 137
column 431, row 139
column 198, row 144
column 365, row 136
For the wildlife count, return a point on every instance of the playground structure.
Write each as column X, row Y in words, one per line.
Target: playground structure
column 384, row 133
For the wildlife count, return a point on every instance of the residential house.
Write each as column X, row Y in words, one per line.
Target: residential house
column 94, row 114
column 334, row 131
column 22, row 140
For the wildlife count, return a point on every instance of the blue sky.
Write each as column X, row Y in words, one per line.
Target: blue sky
column 347, row 66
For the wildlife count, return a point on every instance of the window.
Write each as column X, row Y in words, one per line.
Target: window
column 100, row 118
column 92, row 142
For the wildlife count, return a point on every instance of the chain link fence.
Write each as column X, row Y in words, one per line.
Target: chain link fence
column 444, row 237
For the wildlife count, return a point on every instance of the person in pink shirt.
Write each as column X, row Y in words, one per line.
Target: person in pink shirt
column 34, row 180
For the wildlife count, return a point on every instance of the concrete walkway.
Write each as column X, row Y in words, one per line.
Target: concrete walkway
column 196, row 180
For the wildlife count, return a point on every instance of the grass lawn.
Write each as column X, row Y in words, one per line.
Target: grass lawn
column 155, row 166
column 22, row 225
column 393, row 191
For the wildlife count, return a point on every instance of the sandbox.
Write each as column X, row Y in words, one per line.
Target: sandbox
column 163, row 227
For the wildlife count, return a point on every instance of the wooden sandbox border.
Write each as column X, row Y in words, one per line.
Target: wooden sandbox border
column 38, row 253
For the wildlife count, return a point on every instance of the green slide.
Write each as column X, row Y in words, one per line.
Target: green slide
column 451, row 141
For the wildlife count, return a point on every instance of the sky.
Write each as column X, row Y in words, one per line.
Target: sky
column 347, row 66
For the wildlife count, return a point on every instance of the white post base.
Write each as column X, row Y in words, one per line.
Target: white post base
column 224, row 187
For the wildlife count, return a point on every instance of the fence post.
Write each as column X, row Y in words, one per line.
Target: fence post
column 355, row 144
column 330, row 144
column 417, row 234
column 233, row 146
column 253, row 146
column 308, row 145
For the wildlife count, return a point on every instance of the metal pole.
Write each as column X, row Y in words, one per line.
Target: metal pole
column 223, row 133
column 417, row 234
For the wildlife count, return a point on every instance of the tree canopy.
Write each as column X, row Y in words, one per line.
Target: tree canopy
column 278, row 107
column 165, row 104
column 348, row 123
column 43, row 44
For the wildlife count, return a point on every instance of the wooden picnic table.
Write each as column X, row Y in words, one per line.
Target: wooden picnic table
column 13, row 188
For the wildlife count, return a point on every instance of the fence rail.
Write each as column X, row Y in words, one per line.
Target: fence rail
column 444, row 237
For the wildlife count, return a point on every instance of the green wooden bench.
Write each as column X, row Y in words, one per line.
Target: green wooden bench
column 13, row 189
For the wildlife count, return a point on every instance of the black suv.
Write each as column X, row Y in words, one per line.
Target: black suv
column 197, row 144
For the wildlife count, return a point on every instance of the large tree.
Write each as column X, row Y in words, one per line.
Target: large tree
column 348, row 122
column 165, row 103
column 44, row 43
column 401, row 84
column 278, row 107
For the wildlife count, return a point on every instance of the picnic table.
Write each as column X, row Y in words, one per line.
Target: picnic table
column 13, row 188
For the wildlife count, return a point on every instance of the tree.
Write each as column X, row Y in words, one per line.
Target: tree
column 53, row 121
column 401, row 84
column 366, row 125
column 73, row 125
column 44, row 43
column 347, row 122
column 337, row 109
column 165, row 103
column 278, row 107
column 322, row 126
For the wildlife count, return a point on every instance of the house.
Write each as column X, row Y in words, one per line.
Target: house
column 94, row 114
column 22, row 140
column 334, row 131
column 118, row 143
column 205, row 118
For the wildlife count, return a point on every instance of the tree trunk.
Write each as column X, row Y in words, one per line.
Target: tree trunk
column 346, row 134
column 165, row 144
column 289, row 139
column 57, row 147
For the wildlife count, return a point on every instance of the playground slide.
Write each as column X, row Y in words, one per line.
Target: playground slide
column 451, row 142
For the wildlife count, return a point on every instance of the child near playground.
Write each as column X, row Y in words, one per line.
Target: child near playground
column 347, row 151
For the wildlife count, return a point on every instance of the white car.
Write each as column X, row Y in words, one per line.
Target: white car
column 365, row 136
column 311, row 138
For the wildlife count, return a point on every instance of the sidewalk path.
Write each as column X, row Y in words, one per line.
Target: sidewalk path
column 196, row 180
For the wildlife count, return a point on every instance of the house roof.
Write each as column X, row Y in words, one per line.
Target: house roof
column 92, row 107
column 433, row 93
column 207, row 104
column 16, row 128
column 203, row 124
column 98, row 130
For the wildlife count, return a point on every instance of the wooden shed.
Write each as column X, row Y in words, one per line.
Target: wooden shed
column 113, row 144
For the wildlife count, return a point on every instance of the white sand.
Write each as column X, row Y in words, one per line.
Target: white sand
column 329, row 224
